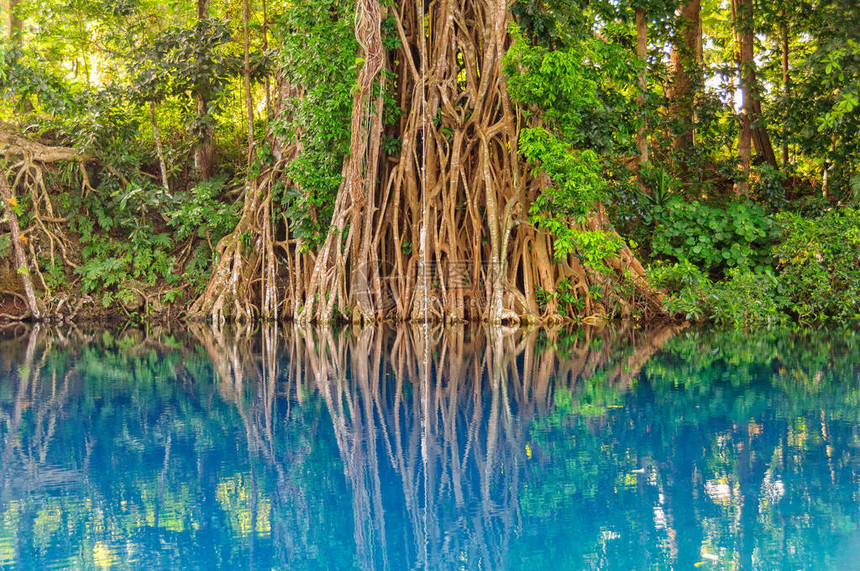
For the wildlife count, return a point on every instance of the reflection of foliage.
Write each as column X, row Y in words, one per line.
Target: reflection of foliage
column 730, row 443
column 173, row 451
column 141, row 418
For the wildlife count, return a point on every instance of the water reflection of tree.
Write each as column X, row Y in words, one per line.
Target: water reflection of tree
column 449, row 431
column 449, row 449
column 757, row 420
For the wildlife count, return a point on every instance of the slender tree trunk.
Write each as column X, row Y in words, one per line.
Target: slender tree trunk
column 205, row 150
column 204, row 153
column 21, row 266
column 158, row 148
column 686, row 58
column 753, row 134
column 15, row 26
column 761, row 138
column 202, row 9
column 785, row 79
column 642, row 54
column 265, row 49
column 249, row 99
column 743, row 28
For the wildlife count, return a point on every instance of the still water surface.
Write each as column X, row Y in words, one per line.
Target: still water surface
column 403, row 449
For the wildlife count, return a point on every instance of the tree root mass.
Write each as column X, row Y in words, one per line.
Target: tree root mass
column 458, row 177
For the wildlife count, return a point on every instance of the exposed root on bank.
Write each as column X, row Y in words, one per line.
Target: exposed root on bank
column 45, row 237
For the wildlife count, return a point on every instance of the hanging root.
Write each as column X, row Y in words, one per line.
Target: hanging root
column 356, row 201
column 242, row 286
column 456, row 196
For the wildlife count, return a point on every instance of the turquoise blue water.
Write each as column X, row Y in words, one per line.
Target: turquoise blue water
column 404, row 449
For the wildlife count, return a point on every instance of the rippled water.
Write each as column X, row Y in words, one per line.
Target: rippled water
column 393, row 449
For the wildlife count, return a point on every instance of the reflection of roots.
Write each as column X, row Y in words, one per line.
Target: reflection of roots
column 431, row 422
column 436, row 407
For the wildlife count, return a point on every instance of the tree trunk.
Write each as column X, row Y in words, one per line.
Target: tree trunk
column 15, row 26
column 158, row 148
column 265, row 32
column 785, row 79
column 249, row 99
column 686, row 59
column 642, row 54
column 21, row 266
column 761, row 138
column 753, row 133
column 742, row 14
column 205, row 150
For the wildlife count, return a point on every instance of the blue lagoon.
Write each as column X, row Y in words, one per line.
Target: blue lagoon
column 457, row 448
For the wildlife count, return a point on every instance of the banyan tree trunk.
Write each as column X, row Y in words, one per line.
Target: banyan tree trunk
column 439, row 231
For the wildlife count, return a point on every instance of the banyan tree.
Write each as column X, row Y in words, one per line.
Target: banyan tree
column 439, row 229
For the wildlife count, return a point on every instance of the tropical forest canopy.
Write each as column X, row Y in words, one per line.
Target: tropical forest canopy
column 462, row 160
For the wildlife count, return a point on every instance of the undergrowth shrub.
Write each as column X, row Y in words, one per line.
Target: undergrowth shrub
column 687, row 288
column 713, row 238
column 745, row 298
column 817, row 277
column 819, row 264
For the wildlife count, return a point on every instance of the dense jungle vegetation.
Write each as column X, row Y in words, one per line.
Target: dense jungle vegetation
column 366, row 160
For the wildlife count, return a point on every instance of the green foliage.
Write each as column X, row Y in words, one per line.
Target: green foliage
column 24, row 80
column 745, row 298
column 712, row 237
column 5, row 246
column 842, row 74
column 578, row 184
column 200, row 212
column 120, row 240
column 688, row 289
column 818, row 264
column 577, row 188
column 768, row 188
column 191, row 62
column 677, row 276
column 569, row 303
column 593, row 247
column 567, row 85
column 317, row 56
column 663, row 187
column 553, row 21
column 198, row 268
column 817, row 278
column 557, row 82
column 53, row 272
column 201, row 215
column 146, row 256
